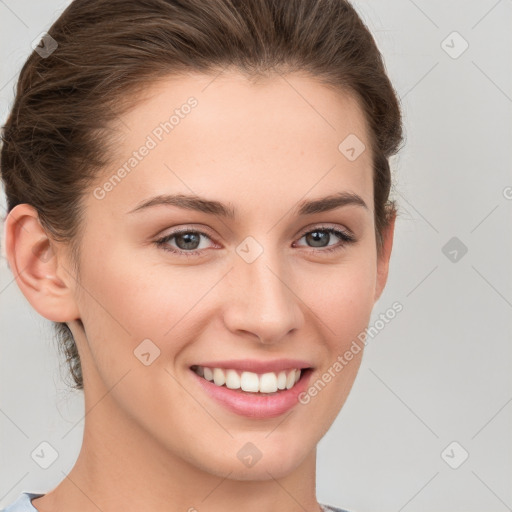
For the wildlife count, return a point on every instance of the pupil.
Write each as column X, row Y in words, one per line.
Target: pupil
column 316, row 236
column 190, row 238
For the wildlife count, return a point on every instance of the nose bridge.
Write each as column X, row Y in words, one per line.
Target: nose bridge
column 262, row 301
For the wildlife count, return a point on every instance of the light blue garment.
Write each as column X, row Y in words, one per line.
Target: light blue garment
column 24, row 504
column 327, row 508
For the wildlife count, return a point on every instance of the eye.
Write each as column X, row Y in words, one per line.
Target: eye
column 320, row 235
column 188, row 240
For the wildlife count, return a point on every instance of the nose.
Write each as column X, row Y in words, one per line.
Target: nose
column 261, row 299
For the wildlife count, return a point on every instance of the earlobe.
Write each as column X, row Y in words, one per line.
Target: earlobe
column 383, row 260
column 34, row 264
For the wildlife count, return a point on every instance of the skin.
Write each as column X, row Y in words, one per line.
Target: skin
column 262, row 148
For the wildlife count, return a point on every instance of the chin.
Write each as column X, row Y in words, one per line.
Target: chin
column 260, row 471
column 248, row 462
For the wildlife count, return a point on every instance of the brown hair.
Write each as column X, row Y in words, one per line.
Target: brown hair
column 58, row 135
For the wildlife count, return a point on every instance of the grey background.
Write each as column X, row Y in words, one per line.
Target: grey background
column 440, row 371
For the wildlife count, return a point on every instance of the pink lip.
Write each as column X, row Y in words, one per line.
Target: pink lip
column 255, row 405
column 253, row 365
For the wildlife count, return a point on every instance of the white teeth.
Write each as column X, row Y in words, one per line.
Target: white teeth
column 268, row 383
column 219, row 377
column 290, row 380
column 208, row 373
column 281, row 380
column 251, row 382
column 232, row 379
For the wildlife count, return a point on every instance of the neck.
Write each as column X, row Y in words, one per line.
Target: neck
column 122, row 467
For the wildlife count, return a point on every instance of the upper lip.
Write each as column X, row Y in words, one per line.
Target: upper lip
column 257, row 366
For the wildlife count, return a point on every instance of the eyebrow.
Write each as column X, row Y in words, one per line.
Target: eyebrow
column 200, row 204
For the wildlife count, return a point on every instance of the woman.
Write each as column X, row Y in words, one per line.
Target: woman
column 198, row 198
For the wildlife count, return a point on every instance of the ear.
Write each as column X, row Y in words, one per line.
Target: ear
column 383, row 259
column 42, row 274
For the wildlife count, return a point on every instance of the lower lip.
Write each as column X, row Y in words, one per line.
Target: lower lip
column 256, row 405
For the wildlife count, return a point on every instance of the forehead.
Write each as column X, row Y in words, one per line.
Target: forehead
column 227, row 136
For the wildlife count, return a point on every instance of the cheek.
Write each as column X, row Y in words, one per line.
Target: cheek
column 128, row 300
column 341, row 296
column 134, row 295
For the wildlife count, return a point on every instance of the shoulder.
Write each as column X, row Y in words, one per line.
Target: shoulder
column 23, row 503
column 330, row 508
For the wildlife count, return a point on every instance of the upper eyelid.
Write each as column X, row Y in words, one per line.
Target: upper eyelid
column 321, row 226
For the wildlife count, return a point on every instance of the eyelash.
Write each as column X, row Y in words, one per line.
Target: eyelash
column 345, row 237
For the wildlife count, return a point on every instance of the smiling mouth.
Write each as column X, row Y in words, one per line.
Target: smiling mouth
column 251, row 382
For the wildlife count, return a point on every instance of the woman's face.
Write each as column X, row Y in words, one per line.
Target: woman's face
column 265, row 286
